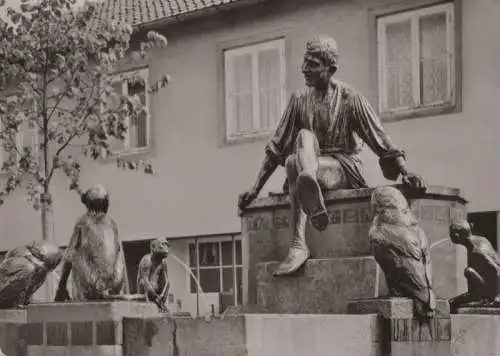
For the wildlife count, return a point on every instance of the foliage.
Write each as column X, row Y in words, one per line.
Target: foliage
column 59, row 59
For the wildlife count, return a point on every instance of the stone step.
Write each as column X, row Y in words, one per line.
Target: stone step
column 322, row 286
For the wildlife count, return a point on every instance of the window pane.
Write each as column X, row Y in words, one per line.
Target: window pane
column 192, row 255
column 193, row 286
column 243, row 99
column 238, row 252
column 138, row 125
column 433, row 58
column 117, row 87
column 209, row 254
column 227, row 280
column 269, row 88
column 210, row 280
column 227, row 253
column 239, row 284
column 398, row 65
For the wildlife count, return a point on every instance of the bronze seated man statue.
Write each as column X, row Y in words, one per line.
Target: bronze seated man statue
column 482, row 271
column 95, row 254
column 318, row 142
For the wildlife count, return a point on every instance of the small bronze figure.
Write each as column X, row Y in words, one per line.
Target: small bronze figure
column 401, row 249
column 94, row 255
column 317, row 141
column 482, row 272
column 24, row 270
column 152, row 277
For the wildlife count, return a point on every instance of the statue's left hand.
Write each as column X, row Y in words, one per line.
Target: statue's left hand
column 414, row 182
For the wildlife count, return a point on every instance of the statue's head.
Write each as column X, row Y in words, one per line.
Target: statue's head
column 389, row 205
column 96, row 199
column 160, row 248
column 320, row 61
column 460, row 231
column 384, row 198
column 49, row 254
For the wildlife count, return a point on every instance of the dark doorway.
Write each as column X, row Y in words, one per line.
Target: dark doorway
column 485, row 224
column 134, row 251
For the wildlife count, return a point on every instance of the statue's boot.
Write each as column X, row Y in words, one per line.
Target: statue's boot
column 298, row 254
column 311, row 200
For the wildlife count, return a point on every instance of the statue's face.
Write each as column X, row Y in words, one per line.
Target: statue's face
column 316, row 72
column 454, row 236
column 161, row 248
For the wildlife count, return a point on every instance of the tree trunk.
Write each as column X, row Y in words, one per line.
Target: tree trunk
column 48, row 236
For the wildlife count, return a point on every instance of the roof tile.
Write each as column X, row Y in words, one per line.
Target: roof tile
column 137, row 12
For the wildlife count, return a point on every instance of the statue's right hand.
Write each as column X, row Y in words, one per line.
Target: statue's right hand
column 246, row 198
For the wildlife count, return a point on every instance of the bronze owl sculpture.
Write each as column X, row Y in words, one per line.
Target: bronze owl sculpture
column 401, row 249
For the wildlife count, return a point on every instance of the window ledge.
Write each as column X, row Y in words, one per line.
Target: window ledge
column 248, row 138
column 414, row 113
column 137, row 153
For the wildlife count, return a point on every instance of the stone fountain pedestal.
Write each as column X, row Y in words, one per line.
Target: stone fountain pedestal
column 333, row 306
column 74, row 329
column 341, row 267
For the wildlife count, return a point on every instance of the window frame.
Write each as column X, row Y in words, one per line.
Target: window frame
column 231, row 43
column 377, row 14
column 220, row 267
column 253, row 50
column 121, row 77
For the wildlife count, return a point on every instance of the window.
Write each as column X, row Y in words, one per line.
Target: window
column 416, row 59
column 254, row 87
column 218, row 266
column 137, row 137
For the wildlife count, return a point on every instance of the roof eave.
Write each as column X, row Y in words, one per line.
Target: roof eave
column 166, row 21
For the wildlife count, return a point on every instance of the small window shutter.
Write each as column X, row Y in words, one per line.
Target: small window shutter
column 116, row 144
column 138, row 130
column 270, row 87
column 239, row 86
column 434, row 58
column 397, row 66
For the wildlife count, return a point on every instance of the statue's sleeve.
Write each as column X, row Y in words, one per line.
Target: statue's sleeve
column 283, row 140
column 369, row 128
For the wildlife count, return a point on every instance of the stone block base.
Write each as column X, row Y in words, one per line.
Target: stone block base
column 93, row 328
column 12, row 335
column 395, row 308
column 479, row 310
column 475, row 334
column 321, row 287
column 254, row 335
column 402, row 334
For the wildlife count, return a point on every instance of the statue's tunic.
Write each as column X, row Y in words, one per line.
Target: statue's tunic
column 96, row 256
column 339, row 122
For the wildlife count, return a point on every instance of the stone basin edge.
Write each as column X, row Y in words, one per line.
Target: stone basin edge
column 280, row 200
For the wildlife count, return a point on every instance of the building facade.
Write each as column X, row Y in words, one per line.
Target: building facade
column 426, row 66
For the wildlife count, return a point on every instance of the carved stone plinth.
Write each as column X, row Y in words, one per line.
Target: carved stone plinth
column 267, row 232
column 12, row 325
column 403, row 335
column 323, row 286
column 93, row 328
column 475, row 331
